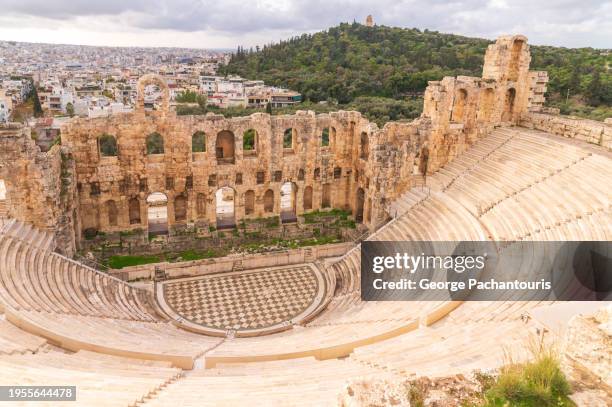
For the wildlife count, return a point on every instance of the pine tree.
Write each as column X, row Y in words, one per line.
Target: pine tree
column 594, row 90
column 38, row 111
column 574, row 81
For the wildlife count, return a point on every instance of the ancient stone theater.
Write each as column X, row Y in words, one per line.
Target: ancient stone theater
column 485, row 161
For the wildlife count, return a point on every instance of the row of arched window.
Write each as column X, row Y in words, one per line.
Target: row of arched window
column 107, row 144
column 486, row 105
column 180, row 204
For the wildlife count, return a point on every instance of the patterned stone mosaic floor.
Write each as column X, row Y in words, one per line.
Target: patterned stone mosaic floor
column 243, row 301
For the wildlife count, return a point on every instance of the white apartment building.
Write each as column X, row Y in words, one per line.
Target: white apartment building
column 5, row 109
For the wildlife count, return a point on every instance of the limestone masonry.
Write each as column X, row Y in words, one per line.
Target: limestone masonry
column 100, row 177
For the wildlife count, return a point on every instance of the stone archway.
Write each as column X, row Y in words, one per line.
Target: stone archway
column 288, row 202
column 458, row 114
column 225, row 209
column 326, row 196
column 268, row 201
column 359, row 205
column 201, row 205
column 249, row 202
column 308, row 198
column 112, row 212
column 152, row 79
column 157, row 213
column 225, row 147
column 180, row 208
column 509, row 105
column 364, row 147
column 134, row 211
column 3, row 205
column 515, row 59
column 487, row 105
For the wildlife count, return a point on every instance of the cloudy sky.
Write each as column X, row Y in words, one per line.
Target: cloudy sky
column 227, row 23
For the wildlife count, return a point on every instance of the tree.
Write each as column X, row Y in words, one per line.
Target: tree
column 594, row 91
column 38, row 111
column 107, row 93
column 351, row 61
column 70, row 109
column 269, row 108
column 202, row 100
column 574, row 81
column 186, row 96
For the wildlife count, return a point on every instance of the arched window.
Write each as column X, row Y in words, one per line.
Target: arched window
column 107, row 145
column 332, row 136
column 198, row 142
column 249, row 202
column 157, row 213
column 364, row 146
column 288, row 202
column 155, row 143
column 307, row 198
column 515, row 59
column 487, row 102
column 359, row 205
column 224, row 148
column 301, row 174
column 111, row 208
column 288, row 138
column 134, row 210
column 225, row 208
column 326, row 196
column 325, row 137
column 424, row 161
column 249, row 141
column 509, row 105
column 459, row 106
column 180, row 208
column 201, row 204
column 269, row 201
column 317, row 174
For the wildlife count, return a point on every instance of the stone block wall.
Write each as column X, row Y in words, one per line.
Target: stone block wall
column 590, row 131
column 83, row 187
column 39, row 186
column 344, row 174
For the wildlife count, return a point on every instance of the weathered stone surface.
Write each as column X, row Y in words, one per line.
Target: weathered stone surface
column 453, row 391
column 363, row 168
column 39, row 186
column 590, row 131
column 588, row 344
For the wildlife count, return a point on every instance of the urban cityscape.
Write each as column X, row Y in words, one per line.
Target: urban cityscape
column 89, row 81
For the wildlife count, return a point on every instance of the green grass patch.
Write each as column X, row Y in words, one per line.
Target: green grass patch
column 538, row 383
column 335, row 215
column 119, row 262
column 189, row 255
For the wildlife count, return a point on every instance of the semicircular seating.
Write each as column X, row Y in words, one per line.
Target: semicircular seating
column 515, row 184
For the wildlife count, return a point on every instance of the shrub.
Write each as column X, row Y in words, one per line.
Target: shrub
column 119, row 262
column 537, row 383
column 90, row 233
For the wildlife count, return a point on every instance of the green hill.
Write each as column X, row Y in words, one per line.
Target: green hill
column 354, row 65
